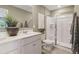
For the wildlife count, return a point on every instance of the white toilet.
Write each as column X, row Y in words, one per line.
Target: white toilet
column 49, row 41
column 48, row 44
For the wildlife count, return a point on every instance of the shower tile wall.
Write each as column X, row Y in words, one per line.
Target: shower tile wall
column 50, row 29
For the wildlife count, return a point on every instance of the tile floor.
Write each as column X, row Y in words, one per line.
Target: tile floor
column 57, row 50
column 60, row 51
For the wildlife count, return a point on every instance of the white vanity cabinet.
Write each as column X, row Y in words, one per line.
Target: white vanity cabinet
column 25, row 45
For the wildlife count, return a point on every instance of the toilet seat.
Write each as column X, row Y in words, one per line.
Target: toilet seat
column 47, row 41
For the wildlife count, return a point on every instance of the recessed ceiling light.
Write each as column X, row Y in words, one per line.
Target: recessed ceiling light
column 59, row 6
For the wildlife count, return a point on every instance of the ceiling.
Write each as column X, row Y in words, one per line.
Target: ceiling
column 50, row 7
column 24, row 7
column 54, row 7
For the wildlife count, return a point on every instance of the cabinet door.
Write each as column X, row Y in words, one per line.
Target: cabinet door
column 32, row 48
column 9, row 46
column 37, row 47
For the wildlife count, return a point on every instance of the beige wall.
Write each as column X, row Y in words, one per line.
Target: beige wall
column 43, row 10
column 19, row 14
column 76, row 9
column 62, row 11
column 38, row 9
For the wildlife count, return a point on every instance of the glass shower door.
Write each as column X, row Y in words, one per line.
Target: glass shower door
column 63, row 31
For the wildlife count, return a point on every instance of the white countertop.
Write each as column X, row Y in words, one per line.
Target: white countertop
column 19, row 36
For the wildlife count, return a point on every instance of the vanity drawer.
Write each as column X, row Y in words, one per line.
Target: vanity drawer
column 9, row 46
column 30, row 39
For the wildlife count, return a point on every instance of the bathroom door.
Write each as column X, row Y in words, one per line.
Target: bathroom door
column 50, row 28
column 63, row 30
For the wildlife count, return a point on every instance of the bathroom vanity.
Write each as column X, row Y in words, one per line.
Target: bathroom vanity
column 28, row 43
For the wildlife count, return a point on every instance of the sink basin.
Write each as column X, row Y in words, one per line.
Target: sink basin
column 24, row 32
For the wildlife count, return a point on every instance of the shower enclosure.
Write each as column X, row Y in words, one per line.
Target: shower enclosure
column 63, row 30
column 58, row 29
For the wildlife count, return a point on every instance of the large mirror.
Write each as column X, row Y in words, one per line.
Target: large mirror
column 2, row 22
column 22, row 13
column 3, row 13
